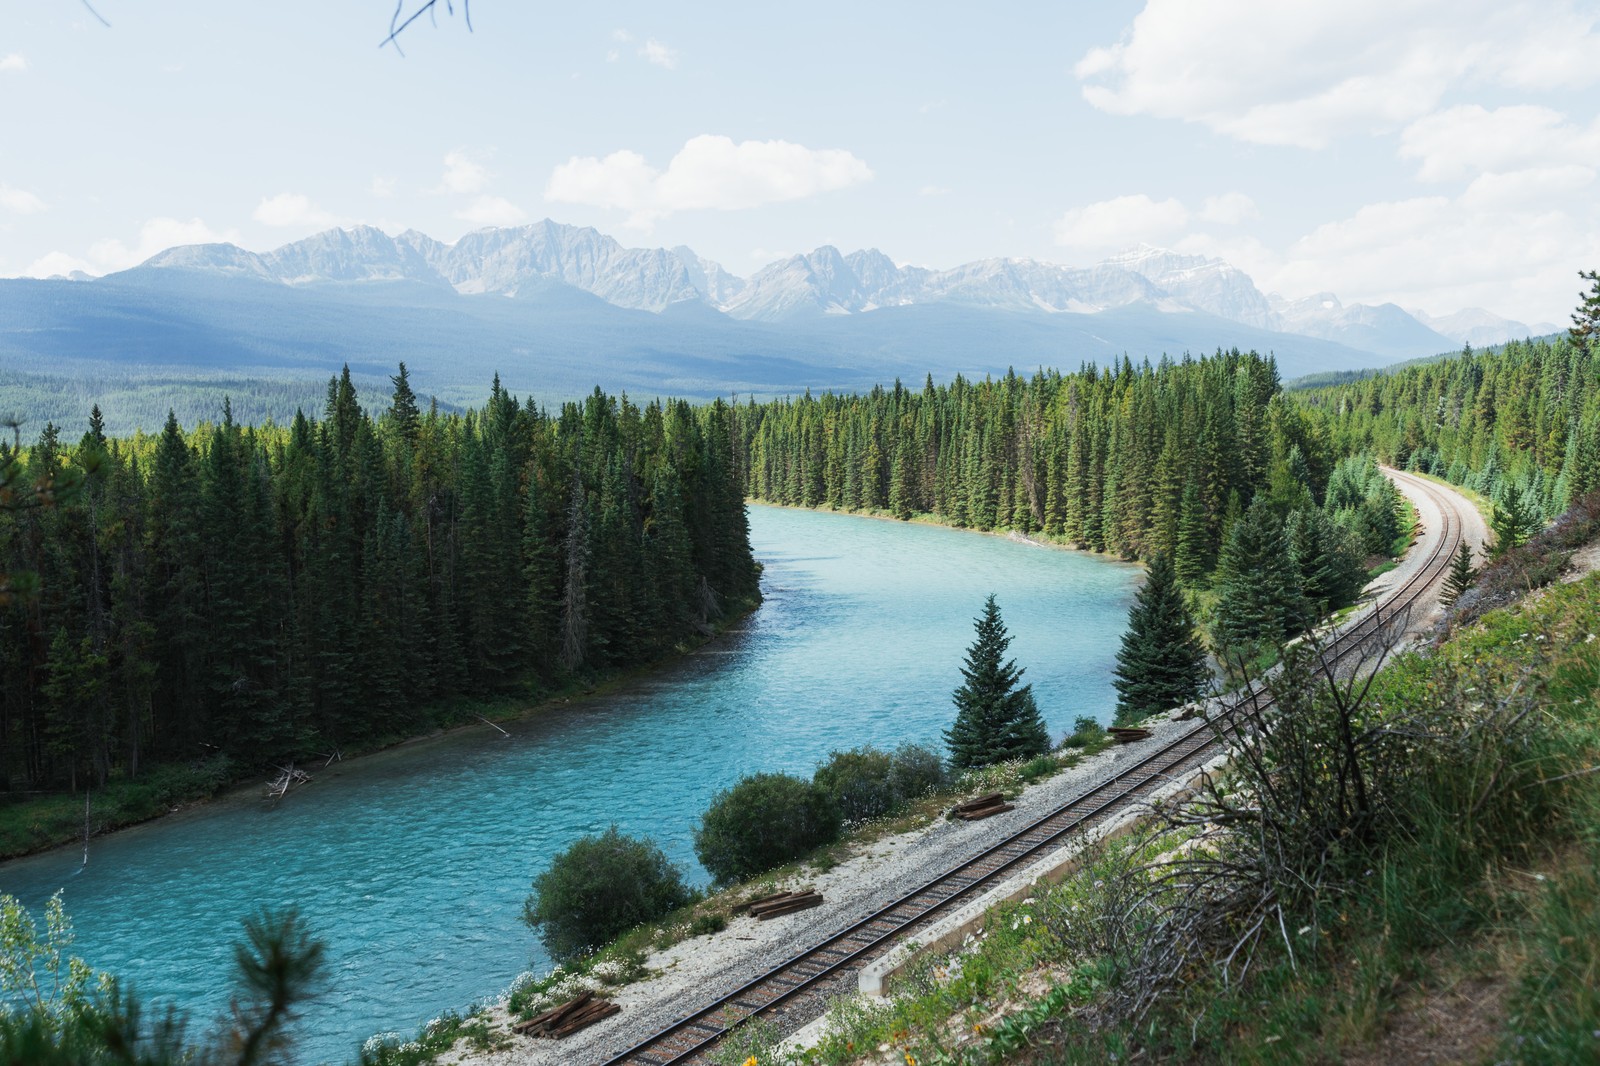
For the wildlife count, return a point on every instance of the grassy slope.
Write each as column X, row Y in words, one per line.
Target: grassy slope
column 1470, row 955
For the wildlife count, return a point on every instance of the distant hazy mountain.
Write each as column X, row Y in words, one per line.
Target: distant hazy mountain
column 556, row 309
column 1481, row 328
column 1384, row 329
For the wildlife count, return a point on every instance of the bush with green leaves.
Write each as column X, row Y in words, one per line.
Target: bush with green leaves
column 764, row 821
column 915, row 771
column 866, row 783
column 599, row 888
column 858, row 782
column 1085, row 731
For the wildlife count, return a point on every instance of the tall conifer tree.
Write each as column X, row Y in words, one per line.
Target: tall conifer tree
column 1161, row 663
column 996, row 719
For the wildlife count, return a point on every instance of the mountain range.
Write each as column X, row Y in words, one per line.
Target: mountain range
column 556, row 309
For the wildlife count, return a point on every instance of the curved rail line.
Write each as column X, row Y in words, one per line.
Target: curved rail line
column 802, row 974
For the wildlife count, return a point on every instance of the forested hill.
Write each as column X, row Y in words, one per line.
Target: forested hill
column 1525, row 416
column 266, row 592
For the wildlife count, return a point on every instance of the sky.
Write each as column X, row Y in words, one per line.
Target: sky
column 1439, row 155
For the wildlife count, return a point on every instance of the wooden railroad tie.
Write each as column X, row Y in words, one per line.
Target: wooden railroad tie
column 982, row 807
column 781, row 903
column 568, row 1018
column 1129, row 734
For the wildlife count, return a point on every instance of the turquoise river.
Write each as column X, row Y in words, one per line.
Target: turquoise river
column 412, row 864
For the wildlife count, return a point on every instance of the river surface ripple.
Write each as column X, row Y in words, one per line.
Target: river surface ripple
column 412, row 864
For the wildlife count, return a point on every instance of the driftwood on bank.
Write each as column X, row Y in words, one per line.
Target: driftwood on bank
column 568, row 1018
column 1129, row 734
column 288, row 777
column 985, row 806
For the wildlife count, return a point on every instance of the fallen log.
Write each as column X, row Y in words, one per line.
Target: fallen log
column 983, row 807
column 763, row 901
column 595, row 1012
column 980, row 813
column 568, row 1018
column 787, row 904
column 554, row 1014
column 1129, row 734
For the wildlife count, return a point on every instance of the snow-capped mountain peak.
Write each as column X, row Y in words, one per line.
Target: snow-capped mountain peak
column 825, row 281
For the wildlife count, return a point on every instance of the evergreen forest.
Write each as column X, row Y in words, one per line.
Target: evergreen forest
column 246, row 594
column 1525, row 418
column 1135, row 460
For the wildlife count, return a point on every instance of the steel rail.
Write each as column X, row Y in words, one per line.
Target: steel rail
column 801, row 973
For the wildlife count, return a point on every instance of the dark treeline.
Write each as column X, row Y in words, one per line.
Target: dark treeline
column 1129, row 459
column 1204, row 461
column 254, row 593
column 1526, row 417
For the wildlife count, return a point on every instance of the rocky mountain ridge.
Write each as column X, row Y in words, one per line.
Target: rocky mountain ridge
column 506, row 261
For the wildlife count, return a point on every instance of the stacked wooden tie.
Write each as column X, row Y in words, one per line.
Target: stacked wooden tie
column 1128, row 734
column 982, row 807
column 568, row 1018
column 781, row 903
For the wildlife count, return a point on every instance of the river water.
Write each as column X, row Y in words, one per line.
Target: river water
column 412, row 864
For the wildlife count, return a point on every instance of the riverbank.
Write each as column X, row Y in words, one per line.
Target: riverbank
column 928, row 518
column 38, row 824
column 648, row 975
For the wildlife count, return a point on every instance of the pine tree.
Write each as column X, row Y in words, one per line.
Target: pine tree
column 1162, row 663
column 1192, row 552
column 1586, row 319
column 1259, row 598
column 1461, row 575
column 995, row 719
column 403, row 413
column 1514, row 521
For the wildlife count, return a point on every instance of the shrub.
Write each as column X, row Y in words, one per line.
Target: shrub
column 707, row 924
column 859, row 783
column 1038, row 769
column 916, row 771
column 867, row 783
column 764, row 821
column 598, row 888
column 1085, row 731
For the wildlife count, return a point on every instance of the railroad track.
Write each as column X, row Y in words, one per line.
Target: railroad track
column 798, row 984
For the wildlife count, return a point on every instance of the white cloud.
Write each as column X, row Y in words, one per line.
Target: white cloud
column 1504, row 248
column 49, row 266
column 462, row 174
column 659, row 54
column 19, row 201
column 292, row 209
column 933, row 190
column 13, row 63
column 492, row 211
column 1302, row 74
column 1110, row 225
column 709, row 172
column 1229, row 209
column 383, row 188
column 111, row 253
column 612, row 55
column 1459, row 142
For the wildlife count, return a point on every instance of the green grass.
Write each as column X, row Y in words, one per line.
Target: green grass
column 38, row 822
